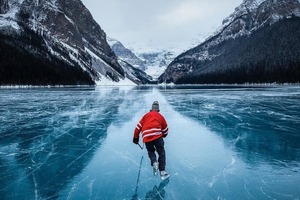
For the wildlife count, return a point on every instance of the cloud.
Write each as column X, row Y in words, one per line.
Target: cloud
column 160, row 23
column 185, row 12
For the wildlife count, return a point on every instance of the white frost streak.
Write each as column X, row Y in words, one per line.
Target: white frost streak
column 223, row 173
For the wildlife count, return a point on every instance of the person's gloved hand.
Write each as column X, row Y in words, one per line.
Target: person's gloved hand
column 135, row 140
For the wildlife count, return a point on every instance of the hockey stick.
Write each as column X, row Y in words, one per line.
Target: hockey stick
column 141, row 146
column 135, row 196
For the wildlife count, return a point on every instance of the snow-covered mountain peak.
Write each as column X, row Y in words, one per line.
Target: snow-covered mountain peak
column 67, row 31
column 251, row 15
column 260, row 10
column 125, row 54
column 248, row 18
column 112, row 41
column 252, row 4
column 153, row 62
column 156, row 61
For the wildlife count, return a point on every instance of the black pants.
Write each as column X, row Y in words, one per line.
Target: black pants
column 158, row 146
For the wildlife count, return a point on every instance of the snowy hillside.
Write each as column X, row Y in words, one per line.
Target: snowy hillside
column 126, row 54
column 254, row 44
column 154, row 63
column 64, row 31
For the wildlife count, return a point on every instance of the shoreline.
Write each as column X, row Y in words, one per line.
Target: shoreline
column 147, row 85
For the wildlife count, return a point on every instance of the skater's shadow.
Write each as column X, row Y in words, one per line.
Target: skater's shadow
column 157, row 193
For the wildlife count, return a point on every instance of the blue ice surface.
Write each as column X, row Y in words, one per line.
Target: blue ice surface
column 224, row 142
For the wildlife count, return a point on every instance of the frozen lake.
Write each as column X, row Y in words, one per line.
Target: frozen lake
column 223, row 143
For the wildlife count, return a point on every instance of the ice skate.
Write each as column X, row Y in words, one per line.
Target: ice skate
column 164, row 175
column 155, row 168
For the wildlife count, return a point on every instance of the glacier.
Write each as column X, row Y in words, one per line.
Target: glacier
column 224, row 142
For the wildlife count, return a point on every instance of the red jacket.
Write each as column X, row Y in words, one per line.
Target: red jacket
column 153, row 126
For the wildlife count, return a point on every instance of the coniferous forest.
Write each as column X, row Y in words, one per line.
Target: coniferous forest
column 272, row 54
column 26, row 61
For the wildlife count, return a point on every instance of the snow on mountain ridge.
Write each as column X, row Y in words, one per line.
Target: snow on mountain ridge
column 8, row 14
column 152, row 62
column 68, row 29
column 256, row 9
column 247, row 18
column 111, row 41
column 156, row 61
column 126, row 54
column 250, row 17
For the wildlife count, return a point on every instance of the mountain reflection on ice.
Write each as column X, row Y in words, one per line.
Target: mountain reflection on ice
column 76, row 143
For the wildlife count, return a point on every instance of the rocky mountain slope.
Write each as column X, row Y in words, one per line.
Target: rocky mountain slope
column 258, row 43
column 156, row 62
column 132, row 64
column 126, row 54
column 153, row 63
column 64, row 43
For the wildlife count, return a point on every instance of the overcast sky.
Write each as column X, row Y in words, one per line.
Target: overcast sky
column 160, row 24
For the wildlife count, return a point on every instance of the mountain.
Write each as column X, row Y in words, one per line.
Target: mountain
column 50, row 42
column 126, row 54
column 258, row 43
column 156, row 62
column 152, row 62
column 133, row 65
column 136, row 75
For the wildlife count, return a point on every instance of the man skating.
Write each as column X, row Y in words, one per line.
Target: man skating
column 154, row 128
